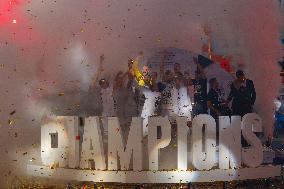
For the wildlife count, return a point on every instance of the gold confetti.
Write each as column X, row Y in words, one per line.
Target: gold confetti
column 13, row 112
column 32, row 159
column 10, row 122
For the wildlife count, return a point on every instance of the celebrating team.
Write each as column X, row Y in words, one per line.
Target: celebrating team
column 146, row 93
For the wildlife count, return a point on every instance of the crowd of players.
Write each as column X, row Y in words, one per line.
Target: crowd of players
column 147, row 93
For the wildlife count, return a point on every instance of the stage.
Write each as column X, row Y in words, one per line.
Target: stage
column 141, row 177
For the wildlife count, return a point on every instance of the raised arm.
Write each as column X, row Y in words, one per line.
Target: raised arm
column 119, row 80
column 138, row 75
column 99, row 71
column 130, row 74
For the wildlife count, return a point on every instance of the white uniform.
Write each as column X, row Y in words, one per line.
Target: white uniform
column 184, row 103
column 149, row 107
column 176, row 102
column 169, row 101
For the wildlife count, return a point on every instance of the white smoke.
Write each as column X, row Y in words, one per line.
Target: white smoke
column 55, row 47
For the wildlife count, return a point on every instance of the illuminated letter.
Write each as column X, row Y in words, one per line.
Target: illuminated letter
column 204, row 160
column 154, row 144
column 73, row 142
column 230, row 148
column 182, row 131
column 252, row 156
column 133, row 147
column 92, row 146
column 54, row 141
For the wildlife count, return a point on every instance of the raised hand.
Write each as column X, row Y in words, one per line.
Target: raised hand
column 130, row 64
column 100, row 69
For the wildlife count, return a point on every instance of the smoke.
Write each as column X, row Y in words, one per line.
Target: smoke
column 55, row 46
column 261, row 50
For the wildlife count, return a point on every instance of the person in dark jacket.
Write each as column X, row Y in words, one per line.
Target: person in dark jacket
column 200, row 90
column 242, row 94
column 216, row 104
column 214, row 99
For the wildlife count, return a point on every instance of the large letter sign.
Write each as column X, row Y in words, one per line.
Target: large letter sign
column 92, row 146
column 182, row 131
column 131, row 159
column 133, row 147
column 155, row 144
column 230, row 142
column 253, row 155
column 55, row 140
column 204, row 160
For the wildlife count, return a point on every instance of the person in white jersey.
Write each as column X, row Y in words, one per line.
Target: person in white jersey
column 152, row 96
column 146, row 83
column 175, row 97
column 182, row 98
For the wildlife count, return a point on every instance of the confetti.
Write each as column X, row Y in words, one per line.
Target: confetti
column 10, row 122
column 13, row 112
column 32, row 159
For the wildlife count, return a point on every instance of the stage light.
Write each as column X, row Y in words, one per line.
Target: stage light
column 14, row 21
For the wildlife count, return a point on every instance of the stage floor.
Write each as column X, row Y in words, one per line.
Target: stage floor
column 154, row 176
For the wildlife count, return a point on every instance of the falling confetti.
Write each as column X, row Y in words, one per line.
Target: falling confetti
column 13, row 112
column 10, row 122
column 60, row 94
